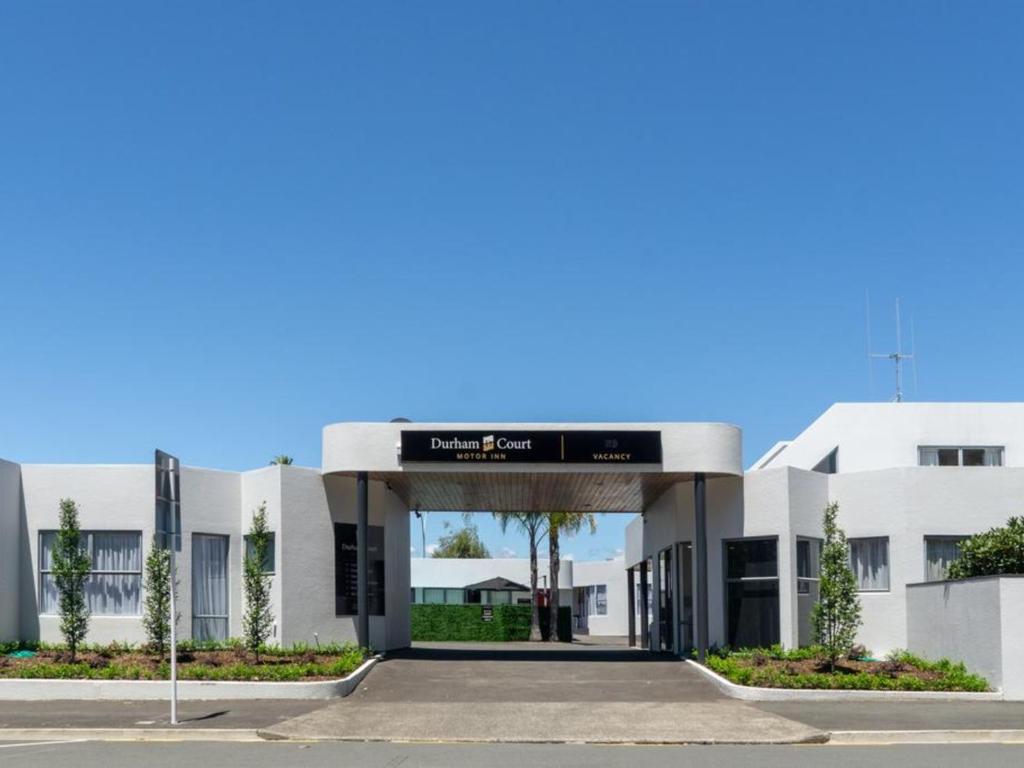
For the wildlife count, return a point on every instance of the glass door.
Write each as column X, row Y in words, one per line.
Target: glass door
column 666, row 595
column 209, row 587
column 685, row 597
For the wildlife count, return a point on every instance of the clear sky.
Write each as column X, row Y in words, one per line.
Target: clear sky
column 223, row 226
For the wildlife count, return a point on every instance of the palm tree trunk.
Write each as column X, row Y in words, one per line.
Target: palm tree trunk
column 553, row 583
column 535, row 612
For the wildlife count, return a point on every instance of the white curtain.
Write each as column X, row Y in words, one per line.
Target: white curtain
column 929, row 457
column 869, row 560
column 209, row 587
column 939, row 553
column 115, row 584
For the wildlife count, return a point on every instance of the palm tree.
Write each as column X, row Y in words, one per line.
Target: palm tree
column 535, row 526
column 281, row 459
column 569, row 523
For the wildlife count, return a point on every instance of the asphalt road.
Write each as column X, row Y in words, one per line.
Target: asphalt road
column 377, row 755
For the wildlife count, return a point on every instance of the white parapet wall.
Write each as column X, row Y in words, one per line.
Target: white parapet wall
column 977, row 621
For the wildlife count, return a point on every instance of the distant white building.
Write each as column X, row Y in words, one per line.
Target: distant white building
column 596, row 590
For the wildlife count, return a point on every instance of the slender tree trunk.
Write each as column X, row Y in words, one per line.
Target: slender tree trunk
column 553, row 583
column 535, row 612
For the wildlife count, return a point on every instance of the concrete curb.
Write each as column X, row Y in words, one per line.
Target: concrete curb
column 129, row 734
column 749, row 693
column 864, row 738
column 188, row 690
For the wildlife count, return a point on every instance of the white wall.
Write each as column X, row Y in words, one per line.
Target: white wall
column 611, row 573
column 109, row 497
column 311, row 505
column 906, row 505
column 10, row 545
column 885, row 435
column 977, row 621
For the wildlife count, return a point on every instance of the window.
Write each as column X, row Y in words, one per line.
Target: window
column 869, row 561
column 808, row 565
column 209, row 587
column 115, row 583
column 808, row 576
column 596, row 596
column 270, row 560
column 954, row 456
column 752, row 592
column 830, row 464
column 939, row 552
column 433, row 596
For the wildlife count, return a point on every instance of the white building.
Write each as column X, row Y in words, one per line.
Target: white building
column 729, row 557
column 911, row 480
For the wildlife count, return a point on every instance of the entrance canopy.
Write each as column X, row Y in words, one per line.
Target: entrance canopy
column 532, row 467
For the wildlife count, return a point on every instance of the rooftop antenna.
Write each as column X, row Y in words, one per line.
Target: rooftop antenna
column 897, row 357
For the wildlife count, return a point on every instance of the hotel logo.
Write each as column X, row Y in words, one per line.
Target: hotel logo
column 488, row 443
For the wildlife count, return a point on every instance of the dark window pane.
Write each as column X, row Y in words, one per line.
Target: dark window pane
column 268, row 561
column 749, row 559
column 974, row 457
column 753, row 608
column 949, row 457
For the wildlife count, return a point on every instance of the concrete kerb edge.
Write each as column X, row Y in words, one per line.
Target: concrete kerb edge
column 188, row 690
column 749, row 693
column 129, row 734
column 978, row 736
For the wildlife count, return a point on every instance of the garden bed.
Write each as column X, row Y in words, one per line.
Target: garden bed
column 806, row 669
column 228, row 662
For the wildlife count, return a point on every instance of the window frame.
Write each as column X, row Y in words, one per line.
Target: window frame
column 808, row 580
column 938, row 537
column 888, row 563
column 87, row 534
column 271, row 552
column 999, row 452
column 727, row 580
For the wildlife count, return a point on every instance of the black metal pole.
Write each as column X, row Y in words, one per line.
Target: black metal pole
column 645, row 628
column 362, row 559
column 701, row 531
column 631, row 600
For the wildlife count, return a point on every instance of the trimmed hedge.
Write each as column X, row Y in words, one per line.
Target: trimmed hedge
column 439, row 623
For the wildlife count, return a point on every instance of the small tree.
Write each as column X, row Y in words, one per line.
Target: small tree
column 836, row 616
column 70, row 567
column 258, row 620
column 463, row 543
column 535, row 526
column 994, row 552
column 156, row 609
column 282, row 459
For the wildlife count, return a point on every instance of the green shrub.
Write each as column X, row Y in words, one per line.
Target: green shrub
column 439, row 623
column 992, row 553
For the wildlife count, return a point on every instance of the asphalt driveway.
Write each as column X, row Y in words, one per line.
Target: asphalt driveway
column 533, row 692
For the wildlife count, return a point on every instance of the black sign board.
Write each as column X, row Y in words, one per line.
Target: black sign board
column 538, row 447
column 346, row 570
column 487, row 613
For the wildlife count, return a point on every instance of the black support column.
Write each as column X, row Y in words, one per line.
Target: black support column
column 701, row 546
column 363, row 558
column 631, row 601
column 645, row 627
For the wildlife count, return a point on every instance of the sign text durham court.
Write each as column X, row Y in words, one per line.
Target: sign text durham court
column 538, row 447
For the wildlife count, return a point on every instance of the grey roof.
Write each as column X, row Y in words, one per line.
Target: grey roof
column 499, row 582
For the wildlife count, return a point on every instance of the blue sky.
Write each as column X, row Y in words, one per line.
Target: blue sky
column 223, row 226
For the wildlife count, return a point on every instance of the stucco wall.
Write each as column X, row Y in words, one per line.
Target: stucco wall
column 10, row 542
column 977, row 621
column 885, row 435
column 120, row 498
column 312, row 504
column 611, row 573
